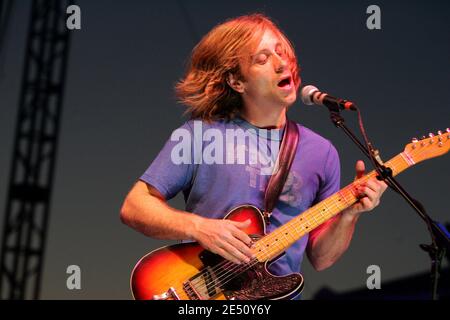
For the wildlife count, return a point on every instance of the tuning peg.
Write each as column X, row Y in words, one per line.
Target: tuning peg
column 422, row 139
column 439, row 136
column 414, row 141
column 431, row 135
column 448, row 131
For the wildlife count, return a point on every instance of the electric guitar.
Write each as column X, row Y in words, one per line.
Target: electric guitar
column 187, row 271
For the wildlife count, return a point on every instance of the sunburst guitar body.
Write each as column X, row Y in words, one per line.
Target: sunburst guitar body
column 186, row 271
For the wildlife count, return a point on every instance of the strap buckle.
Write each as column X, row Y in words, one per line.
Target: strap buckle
column 267, row 217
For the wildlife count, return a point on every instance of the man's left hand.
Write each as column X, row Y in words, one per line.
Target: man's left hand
column 369, row 193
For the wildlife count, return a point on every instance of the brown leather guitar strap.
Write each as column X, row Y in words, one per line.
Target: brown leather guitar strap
column 286, row 154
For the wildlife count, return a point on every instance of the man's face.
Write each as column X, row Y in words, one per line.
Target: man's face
column 268, row 78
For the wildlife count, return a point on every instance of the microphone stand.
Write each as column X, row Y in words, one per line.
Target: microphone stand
column 440, row 238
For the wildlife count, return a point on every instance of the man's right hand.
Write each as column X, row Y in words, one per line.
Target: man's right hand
column 224, row 237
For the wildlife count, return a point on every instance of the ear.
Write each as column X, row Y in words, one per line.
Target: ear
column 236, row 84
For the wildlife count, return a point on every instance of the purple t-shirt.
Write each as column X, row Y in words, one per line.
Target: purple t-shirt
column 206, row 162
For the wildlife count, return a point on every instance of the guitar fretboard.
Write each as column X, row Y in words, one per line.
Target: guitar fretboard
column 280, row 239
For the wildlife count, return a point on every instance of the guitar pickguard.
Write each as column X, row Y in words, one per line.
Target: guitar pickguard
column 260, row 284
column 256, row 283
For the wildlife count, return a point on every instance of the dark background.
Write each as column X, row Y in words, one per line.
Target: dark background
column 120, row 108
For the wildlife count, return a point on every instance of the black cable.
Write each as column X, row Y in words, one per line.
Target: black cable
column 388, row 178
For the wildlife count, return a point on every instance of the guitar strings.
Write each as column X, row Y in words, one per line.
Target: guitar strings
column 275, row 246
column 346, row 192
column 223, row 266
column 373, row 173
column 222, row 277
column 391, row 164
column 229, row 274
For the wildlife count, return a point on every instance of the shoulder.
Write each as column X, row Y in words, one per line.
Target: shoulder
column 310, row 137
column 317, row 149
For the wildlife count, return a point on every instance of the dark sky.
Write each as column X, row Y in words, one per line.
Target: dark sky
column 120, row 108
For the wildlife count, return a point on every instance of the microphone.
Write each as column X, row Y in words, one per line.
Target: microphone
column 311, row 95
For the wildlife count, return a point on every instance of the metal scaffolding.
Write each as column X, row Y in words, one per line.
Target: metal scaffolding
column 34, row 151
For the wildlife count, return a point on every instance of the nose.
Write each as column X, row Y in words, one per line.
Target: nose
column 280, row 63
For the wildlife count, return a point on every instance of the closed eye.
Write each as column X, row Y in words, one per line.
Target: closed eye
column 261, row 58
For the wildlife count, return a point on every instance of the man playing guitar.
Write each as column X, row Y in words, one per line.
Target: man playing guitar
column 243, row 76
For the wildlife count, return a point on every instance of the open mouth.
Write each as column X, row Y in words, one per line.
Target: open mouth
column 284, row 83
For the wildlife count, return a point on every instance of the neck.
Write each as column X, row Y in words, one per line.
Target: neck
column 261, row 118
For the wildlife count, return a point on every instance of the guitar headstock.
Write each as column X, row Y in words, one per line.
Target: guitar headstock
column 427, row 148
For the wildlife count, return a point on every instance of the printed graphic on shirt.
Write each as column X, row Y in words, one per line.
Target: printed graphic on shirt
column 291, row 193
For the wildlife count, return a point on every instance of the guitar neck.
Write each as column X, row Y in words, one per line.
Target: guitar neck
column 280, row 239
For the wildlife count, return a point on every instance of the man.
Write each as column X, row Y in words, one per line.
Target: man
column 244, row 75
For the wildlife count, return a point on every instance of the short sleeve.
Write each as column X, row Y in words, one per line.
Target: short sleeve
column 172, row 169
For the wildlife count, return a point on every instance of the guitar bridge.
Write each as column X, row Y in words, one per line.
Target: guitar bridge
column 190, row 291
column 202, row 286
column 171, row 293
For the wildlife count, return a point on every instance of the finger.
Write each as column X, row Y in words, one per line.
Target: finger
column 377, row 186
column 371, row 198
column 241, row 246
column 238, row 233
column 226, row 255
column 367, row 192
column 242, row 236
column 373, row 185
column 359, row 168
column 383, row 185
column 366, row 204
column 237, row 255
column 242, row 224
